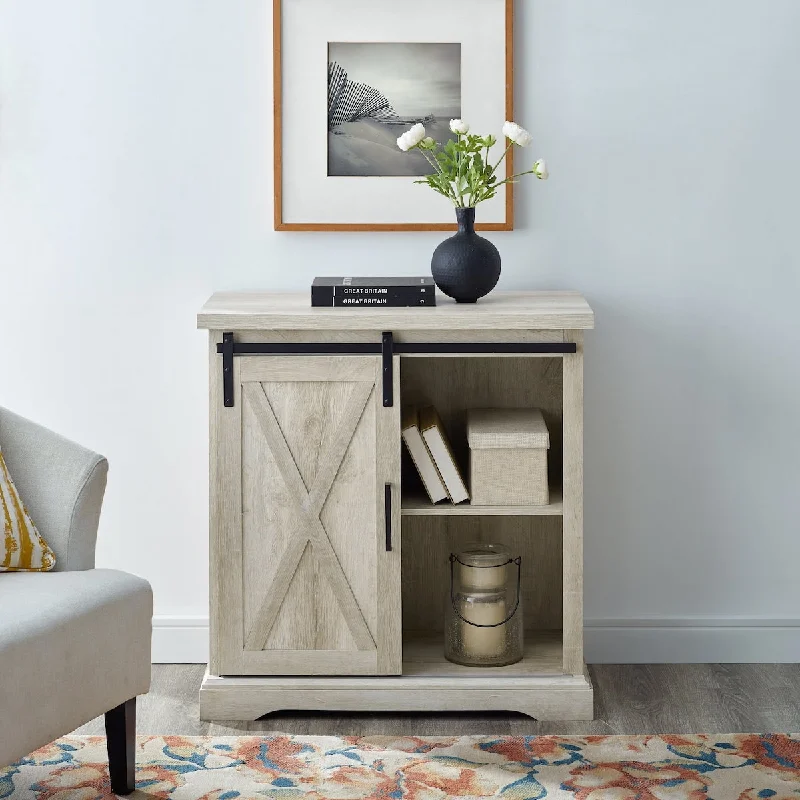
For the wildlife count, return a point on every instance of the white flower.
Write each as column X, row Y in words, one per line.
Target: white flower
column 517, row 134
column 412, row 137
column 459, row 126
column 540, row 170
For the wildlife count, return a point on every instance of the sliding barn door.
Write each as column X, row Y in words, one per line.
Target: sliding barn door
column 306, row 584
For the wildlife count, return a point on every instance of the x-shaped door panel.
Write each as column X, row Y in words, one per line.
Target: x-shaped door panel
column 308, row 504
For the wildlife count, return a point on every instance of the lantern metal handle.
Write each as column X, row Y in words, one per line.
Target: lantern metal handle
column 517, row 561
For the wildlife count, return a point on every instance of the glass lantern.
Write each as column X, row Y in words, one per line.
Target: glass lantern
column 483, row 616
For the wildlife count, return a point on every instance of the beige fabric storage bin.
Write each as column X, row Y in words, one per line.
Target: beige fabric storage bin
column 508, row 457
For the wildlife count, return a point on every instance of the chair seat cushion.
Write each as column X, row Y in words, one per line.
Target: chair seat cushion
column 73, row 645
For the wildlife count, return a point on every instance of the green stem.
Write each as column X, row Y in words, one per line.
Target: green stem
column 450, row 195
column 486, row 191
column 459, row 162
column 431, row 160
column 518, row 175
column 505, row 153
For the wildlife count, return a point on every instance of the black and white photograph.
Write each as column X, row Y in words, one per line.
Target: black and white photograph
column 377, row 91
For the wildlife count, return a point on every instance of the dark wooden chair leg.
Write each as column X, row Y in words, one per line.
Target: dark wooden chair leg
column 121, row 737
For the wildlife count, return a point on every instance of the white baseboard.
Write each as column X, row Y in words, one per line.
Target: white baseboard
column 180, row 640
column 690, row 640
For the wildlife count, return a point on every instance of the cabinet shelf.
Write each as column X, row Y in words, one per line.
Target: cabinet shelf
column 419, row 505
column 423, row 657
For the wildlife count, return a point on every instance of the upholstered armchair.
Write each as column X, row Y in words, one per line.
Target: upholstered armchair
column 74, row 642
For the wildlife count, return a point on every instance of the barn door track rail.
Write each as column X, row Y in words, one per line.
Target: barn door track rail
column 387, row 348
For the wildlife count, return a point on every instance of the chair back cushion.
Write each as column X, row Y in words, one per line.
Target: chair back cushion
column 22, row 549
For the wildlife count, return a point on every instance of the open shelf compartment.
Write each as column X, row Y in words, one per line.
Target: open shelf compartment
column 427, row 543
column 453, row 385
column 431, row 532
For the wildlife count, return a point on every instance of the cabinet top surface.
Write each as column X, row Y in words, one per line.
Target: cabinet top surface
column 499, row 310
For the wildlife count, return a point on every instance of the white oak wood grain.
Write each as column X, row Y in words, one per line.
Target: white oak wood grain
column 415, row 504
column 479, row 335
column 225, row 520
column 573, row 507
column 547, row 697
column 389, row 629
column 312, row 526
column 286, row 569
column 314, row 662
column 306, row 368
column 423, row 656
column 310, row 591
column 329, row 465
column 237, row 311
column 373, row 336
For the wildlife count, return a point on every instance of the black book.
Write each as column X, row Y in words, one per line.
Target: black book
column 372, row 292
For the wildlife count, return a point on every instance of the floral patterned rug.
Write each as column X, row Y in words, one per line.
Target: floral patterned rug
column 730, row 767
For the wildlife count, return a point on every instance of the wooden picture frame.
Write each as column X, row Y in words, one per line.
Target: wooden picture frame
column 278, row 153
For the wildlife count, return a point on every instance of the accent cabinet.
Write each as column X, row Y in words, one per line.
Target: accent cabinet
column 329, row 569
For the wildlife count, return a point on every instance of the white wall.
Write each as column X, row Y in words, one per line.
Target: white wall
column 135, row 149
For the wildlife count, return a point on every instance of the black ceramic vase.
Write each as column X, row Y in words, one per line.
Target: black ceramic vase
column 466, row 266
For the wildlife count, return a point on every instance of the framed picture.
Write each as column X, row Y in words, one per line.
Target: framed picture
column 350, row 76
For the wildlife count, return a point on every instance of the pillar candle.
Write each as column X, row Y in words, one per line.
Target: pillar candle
column 482, row 579
column 483, row 642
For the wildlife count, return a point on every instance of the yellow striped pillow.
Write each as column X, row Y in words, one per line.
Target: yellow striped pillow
column 23, row 549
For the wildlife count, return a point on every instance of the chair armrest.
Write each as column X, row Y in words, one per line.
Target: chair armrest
column 62, row 485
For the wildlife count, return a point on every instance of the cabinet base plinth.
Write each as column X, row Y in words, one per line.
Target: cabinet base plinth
column 546, row 697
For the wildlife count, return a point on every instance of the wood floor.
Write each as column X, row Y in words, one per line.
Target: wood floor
column 652, row 698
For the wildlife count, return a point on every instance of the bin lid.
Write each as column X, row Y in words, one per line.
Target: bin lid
column 507, row 428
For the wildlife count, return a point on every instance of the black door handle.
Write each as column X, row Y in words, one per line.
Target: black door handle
column 387, row 504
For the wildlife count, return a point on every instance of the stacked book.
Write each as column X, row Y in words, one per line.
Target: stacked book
column 430, row 451
column 371, row 292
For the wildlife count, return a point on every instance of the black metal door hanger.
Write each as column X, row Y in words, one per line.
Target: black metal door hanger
column 387, row 348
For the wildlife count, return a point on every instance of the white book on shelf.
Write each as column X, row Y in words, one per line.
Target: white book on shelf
column 420, row 456
column 435, row 437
